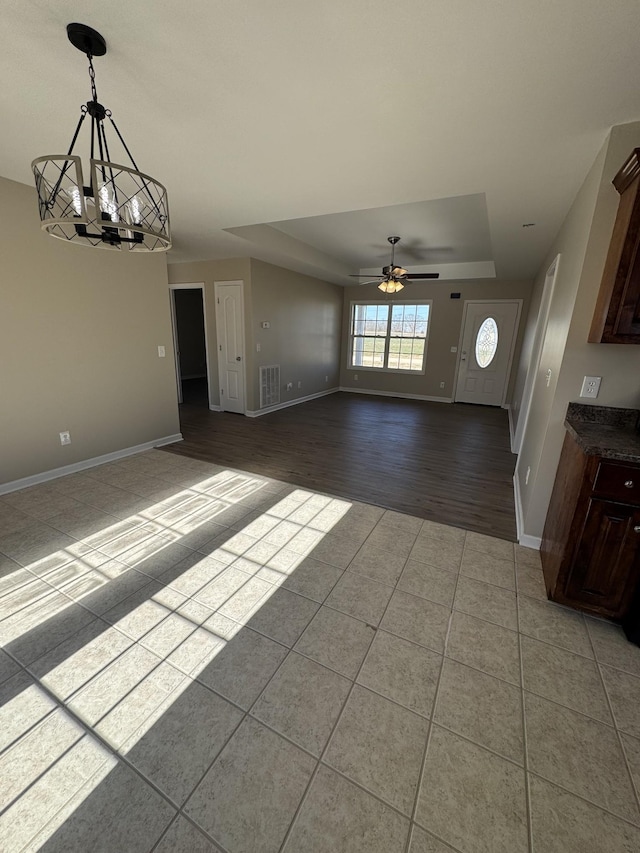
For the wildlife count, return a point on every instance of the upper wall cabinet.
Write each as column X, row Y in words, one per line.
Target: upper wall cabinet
column 617, row 315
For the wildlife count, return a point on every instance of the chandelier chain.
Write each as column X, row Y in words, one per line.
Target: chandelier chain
column 92, row 76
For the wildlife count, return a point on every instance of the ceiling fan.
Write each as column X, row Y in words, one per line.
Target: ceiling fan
column 393, row 277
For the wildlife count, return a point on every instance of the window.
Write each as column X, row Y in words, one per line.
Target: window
column 389, row 336
column 486, row 342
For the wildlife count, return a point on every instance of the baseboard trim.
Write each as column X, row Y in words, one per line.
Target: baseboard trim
column 256, row 414
column 531, row 541
column 523, row 538
column 35, row 479
column 215, row 408
column 517, row 500
column 395, row 394
column 512, row 429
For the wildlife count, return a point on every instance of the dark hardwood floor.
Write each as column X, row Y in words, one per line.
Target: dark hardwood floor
column 448, row 463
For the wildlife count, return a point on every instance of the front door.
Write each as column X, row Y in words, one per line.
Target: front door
column 230, row 330
column 487, row 350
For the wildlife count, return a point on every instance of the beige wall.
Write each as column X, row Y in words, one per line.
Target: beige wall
column 79, row 331
column 444, row 333
column 582, row 242
column 304, row 315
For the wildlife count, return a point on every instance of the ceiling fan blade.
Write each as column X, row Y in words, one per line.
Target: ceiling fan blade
column 419, row 276
column 374, row 281
column 353, row 275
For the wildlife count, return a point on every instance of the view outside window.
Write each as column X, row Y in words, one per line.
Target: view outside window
column 389, row 336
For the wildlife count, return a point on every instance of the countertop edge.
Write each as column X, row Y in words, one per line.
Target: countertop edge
column 593, row 448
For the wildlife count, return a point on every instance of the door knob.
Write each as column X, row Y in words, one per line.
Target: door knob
column 636, row 529
column 629, row 484
column 238, row 358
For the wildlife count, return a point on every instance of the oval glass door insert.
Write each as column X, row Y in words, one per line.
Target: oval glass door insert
column 486, row 342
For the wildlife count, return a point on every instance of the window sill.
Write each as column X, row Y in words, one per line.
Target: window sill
column 388, row 370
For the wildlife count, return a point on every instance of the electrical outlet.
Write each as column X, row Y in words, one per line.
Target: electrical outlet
column 326, row 378
column 355, row 376
column 161, row 352
column 442, row 384
column 454, row 349
column 289, row 386
column 299, row 385
column 590, row 386
column 65, row 438
column 257, row 347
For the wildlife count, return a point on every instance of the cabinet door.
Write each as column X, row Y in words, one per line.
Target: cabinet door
column 617, row 316
column 606, row 566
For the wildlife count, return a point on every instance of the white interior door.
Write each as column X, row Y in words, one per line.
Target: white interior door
column 230, row 329
column 488, row 338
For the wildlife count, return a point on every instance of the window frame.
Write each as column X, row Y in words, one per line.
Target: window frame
column 388, row 337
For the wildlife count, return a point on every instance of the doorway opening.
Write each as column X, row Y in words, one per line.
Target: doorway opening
column 190, row 344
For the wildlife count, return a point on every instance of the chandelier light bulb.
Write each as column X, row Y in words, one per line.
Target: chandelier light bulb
column 135, row 208
column 76, row 198
column 107, row 204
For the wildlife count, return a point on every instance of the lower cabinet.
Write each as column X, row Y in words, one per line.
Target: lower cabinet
column 602, row 576
column 591, row 544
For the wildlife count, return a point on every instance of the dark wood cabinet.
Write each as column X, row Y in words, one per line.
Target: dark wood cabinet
column 617, row 316
column 591, row 542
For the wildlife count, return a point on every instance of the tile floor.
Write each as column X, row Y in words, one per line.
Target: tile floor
column 197, row 659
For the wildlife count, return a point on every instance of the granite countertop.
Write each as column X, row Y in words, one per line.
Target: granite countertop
column 605, row 431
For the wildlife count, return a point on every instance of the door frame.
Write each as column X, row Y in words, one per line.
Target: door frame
column 537, row 346
column 216, row 289
column 198, row 285
column 468, row 302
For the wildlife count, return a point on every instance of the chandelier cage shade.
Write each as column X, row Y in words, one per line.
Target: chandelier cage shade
column 120, row 208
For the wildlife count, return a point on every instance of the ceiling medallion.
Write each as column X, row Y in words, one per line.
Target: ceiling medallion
column 120, row 207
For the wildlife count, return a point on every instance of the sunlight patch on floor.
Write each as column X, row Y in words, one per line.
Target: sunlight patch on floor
column 122, row 681
column 48, row 586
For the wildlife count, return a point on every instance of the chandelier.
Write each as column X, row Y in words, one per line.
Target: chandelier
column 120, row 207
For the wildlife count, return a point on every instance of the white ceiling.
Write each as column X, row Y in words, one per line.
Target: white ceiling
column 333, row 125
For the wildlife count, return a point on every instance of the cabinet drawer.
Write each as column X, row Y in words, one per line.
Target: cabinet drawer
column 619, row 482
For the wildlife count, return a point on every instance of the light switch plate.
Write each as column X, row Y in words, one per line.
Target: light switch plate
column 590, row 386
column 161, row 352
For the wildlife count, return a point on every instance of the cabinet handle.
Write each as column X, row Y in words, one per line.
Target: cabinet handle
column 636, row 529
column 628, row 484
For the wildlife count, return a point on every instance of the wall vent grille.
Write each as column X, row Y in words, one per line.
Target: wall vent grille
column 269, row 385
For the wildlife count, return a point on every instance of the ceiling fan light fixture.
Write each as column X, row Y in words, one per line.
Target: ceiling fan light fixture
column 120, row 207
column 390, row 286
column 392, row 275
